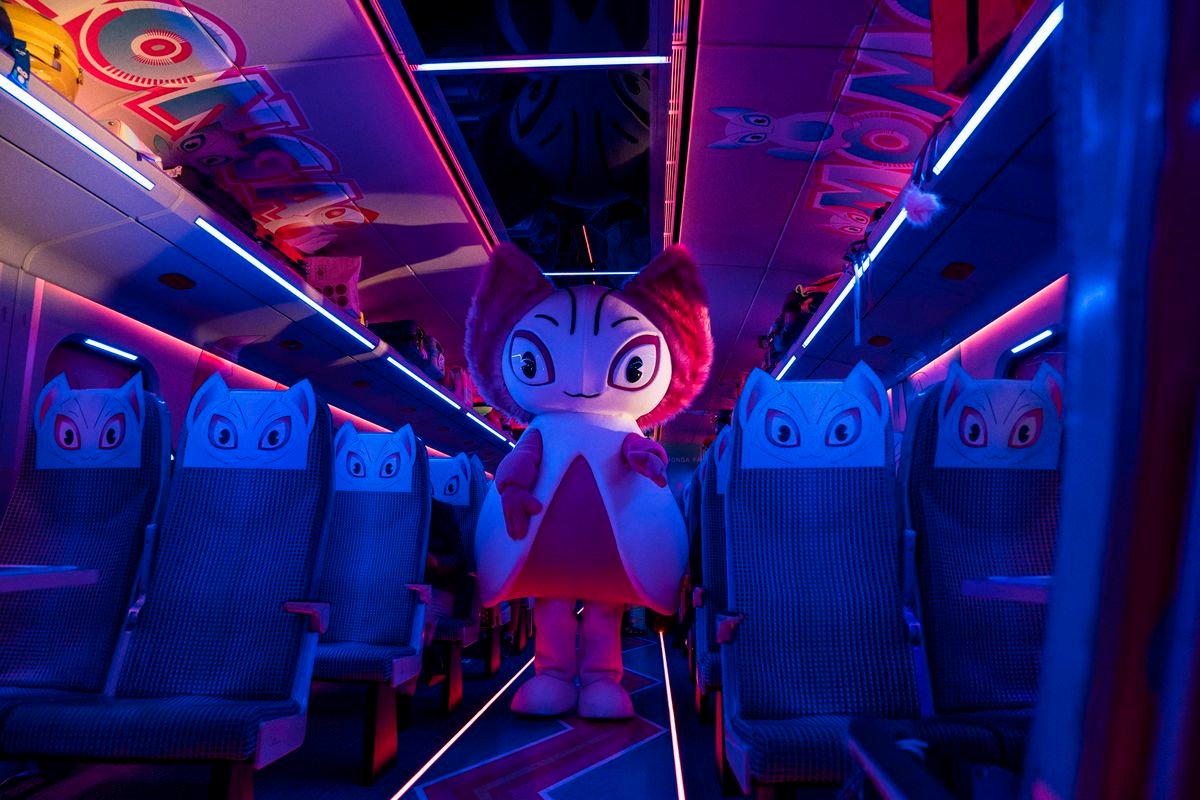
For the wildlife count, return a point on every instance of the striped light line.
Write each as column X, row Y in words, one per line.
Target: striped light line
column 429, row 764
column 1006, row 80
column 22, row 96
column 1031, row 341
column 423, row 382
column 786, row 367
column 493, row 64
column 671, row 714
column 488, row 428
column 296, row 292
column 108, row 348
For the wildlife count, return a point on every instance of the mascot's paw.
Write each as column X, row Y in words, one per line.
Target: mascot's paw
column 519, row 507
column 646, row 457
column 545, row 696
column 604, row 700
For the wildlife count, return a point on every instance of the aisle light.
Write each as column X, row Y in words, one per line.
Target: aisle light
column 22, row 96
column 786, row 367
column 492, row 64
column 296, row 292
column 1031, row 341
column 108, row 348
column 423, row 382
column 671, row 715
column 1006, row 80
column 429, row 764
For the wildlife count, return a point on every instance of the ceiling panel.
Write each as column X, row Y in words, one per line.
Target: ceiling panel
column 772, row 23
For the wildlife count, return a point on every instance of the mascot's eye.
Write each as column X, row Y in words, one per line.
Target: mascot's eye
column 221, row 433
column 354, row 465
column 452, row 486
column 390, row 466
column 530, row 359
column 781, row 429
column 113, row 433
column 756, row 119
column 636, row 363
column 972, row 428
column 276, row 435
column 193, row 143
column 66, row 433
column 214, row 160
column 1027, row 430
column 753, row 138
column 844, row 428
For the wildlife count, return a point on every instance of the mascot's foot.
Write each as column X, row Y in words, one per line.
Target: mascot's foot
column 604, row 699
column 545, row 696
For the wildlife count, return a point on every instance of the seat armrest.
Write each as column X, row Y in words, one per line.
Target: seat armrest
column 727, row 625
column 908, row 589
column 889, row 765
column 317, row 613
column 424, row 592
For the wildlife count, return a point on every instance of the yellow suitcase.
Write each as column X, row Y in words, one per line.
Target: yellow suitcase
column 52, row 53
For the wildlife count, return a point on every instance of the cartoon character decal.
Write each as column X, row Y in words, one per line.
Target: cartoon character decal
column 794, row 137
column 580, row 510
column 1000, row 424
column 89, row 428
column 791, row 424
column 374, row 462
column 250, row 429
column 451, row 479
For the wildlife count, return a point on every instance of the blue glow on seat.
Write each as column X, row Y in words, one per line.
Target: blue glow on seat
column 22, row 96
column 295, row 291
column 108, row 348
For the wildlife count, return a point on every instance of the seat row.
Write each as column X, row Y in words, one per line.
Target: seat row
column 278, row 555
column 826, row 592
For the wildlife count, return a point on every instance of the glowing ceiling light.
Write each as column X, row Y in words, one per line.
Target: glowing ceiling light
column 1010, row 75
column 296, row 292
column 492, row 64
column 481, row 423
column 671, row 715
column 22, row 96
column 586, row 274
column 441, row 395
column 786, row 367
column 108, row 348
column 1031, row 341
column 429, row 764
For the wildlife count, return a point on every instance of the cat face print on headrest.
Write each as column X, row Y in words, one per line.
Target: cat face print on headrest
column 817, row 424
column 451, row 479
column 247, row 428
column 82, row 428
column 1000, row 424
column 722, row 457
column 374, row 462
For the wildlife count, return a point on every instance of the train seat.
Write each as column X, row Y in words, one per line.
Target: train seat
column 220, row 654
column 374, row 562
column 87, row 496
column 711, row 596
column 981, row 485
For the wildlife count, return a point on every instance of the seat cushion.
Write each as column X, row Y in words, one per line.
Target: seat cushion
column 13, row 696
column 168, row 728
column 457, row 629
column 814, row 749
column 1011, row 727
column 352, row 661
column 708, row 670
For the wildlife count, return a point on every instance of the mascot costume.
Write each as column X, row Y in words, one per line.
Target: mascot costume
column 580, row 510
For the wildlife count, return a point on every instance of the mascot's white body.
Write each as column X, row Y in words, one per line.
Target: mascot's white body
column 580, row 510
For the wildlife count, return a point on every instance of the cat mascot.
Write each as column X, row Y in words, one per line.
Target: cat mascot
column 580, row 510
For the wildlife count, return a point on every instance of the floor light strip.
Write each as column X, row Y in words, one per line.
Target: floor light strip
column 662, row 643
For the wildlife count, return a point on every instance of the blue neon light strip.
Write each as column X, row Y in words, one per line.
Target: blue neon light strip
column 1031, row 341
column 585, row 274
column 299, row 294
column 1006, row 80
column 786, row 367
column 490, row 64
column 481, row 423
column 108, row 348
column 22, row 96
column 423, row 382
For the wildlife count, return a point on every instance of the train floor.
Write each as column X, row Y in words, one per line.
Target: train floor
column 499, row 755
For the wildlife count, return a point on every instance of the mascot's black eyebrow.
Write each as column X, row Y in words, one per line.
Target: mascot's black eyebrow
column 572, row 296
column 600, row 305
column 548, row 318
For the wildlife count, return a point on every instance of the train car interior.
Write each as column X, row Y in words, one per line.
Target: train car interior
column 559, row 399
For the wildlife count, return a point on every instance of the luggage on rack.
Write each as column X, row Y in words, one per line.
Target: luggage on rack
column 52, row 53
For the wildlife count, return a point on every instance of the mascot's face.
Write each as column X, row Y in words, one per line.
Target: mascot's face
column 587, row 350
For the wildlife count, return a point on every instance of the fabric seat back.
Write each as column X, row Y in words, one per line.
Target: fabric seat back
column 982, row 484
column 712, row 535
column 378, row 536
column 813, row 549
column 90, row 480
column 247, row 516
column 460, row 482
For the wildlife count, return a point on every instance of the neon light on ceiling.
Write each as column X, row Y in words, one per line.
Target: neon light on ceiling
column 671, row 714
column 441, row 395
column 1006, row 80
column 429, row 764
column 108, row 348
column 585, row 274
column 22, row 96
column 491, row 64
column 1031, row 341
column 786, row 367
column 478, row 421
column 296, row 292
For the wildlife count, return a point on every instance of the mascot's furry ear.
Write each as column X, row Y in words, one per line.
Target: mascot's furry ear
column 511, row 285
column 669, row 292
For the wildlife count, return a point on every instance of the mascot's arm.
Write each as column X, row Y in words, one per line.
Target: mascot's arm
column 646, row 457
column 514, row 480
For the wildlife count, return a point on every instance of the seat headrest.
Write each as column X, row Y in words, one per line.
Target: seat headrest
column 248, row 428
column 374, row 462
column 89, row 428
column 451, row 479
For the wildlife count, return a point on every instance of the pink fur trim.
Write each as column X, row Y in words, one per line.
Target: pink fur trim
column 511, row 285
column 921, row 206
column 669, row 292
